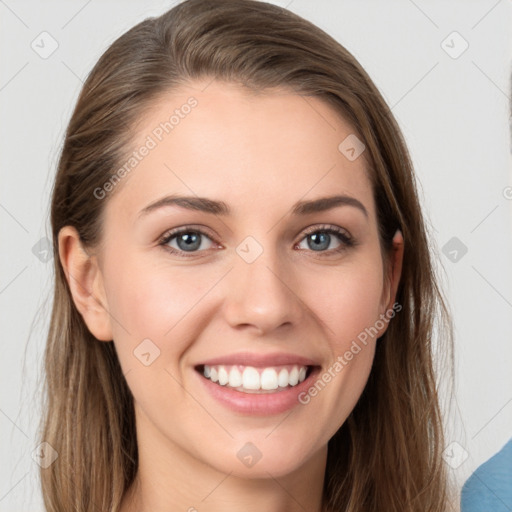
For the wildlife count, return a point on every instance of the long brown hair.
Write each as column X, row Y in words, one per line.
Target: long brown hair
column 387, row 455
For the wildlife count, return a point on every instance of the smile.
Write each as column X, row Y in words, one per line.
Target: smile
column 257, row 384
column 249, row 379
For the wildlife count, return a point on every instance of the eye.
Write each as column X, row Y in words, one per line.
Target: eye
column 193, row 240
column 322, row 238
column 186, row 239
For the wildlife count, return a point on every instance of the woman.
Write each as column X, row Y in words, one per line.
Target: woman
column 244, row 296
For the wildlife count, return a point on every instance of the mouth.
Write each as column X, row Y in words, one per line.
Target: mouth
column 256, row 380
column 254, row 384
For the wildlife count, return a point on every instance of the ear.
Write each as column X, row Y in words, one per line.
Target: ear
column 85, row 282
column 393, row 272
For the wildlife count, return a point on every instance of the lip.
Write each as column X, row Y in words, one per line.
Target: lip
column 260, row 360
column 264, row 404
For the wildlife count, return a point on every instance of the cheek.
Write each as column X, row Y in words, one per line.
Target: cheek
column 151, row 311
column 347, row 303
column 346, row 299
column 150, row 301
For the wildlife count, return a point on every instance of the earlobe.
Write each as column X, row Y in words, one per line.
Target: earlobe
column 394, row 271
column 397, row 261
column 85, row 283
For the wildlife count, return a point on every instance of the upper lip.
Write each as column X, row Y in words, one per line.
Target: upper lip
column 260, row 360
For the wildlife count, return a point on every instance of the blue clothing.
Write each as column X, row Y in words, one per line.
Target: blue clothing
column 489, row 488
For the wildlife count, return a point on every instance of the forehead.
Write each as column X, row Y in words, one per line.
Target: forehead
column 219, row 140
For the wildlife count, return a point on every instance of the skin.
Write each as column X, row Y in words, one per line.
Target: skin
column 260, row 154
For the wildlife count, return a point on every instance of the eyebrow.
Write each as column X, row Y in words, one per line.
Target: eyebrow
column 206, row 205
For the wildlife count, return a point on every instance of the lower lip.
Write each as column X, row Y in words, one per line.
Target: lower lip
column 258, row 403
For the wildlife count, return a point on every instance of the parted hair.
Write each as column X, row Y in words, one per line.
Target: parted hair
column 387, row 454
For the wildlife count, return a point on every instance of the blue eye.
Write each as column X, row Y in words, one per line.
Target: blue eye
column 320, row 239
column 187, row 241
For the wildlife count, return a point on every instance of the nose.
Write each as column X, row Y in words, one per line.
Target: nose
column 262, row 295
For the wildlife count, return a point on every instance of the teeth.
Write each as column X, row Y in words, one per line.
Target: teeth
column 252, row 379
column 269, row 379
column 223, row 376
column 294, row 376
column 282, row 379
column 235, row 377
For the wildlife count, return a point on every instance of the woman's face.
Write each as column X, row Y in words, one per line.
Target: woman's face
column 271, row 281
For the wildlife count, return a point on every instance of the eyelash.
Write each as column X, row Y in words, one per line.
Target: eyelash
column 346, row 240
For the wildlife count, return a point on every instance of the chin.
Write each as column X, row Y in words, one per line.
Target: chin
column 277, row 456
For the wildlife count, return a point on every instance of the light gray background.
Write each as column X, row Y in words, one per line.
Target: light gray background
column 454, row 113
